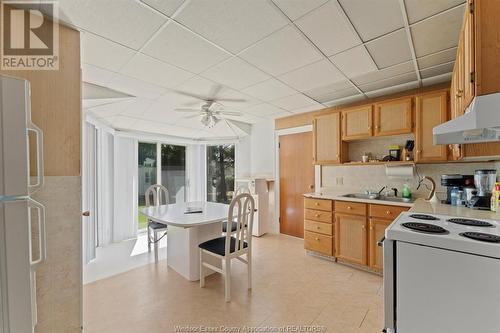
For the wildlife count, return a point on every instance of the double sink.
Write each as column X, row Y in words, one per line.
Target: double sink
column 377, row 197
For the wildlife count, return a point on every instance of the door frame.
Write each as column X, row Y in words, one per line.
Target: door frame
column 275, row 228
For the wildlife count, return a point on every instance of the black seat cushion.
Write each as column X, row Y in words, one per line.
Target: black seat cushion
column 234, row 226
column 155, row 225
column 218, row 245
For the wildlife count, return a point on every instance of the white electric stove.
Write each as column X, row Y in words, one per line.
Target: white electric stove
column 442, row 274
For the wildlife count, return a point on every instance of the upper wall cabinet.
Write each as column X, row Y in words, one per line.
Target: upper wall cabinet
column 393, row 117
column 327, row 141
column 431, row 110
column 357, row 123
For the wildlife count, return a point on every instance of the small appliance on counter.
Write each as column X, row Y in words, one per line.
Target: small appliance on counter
column 455, row 182
column 484, row 180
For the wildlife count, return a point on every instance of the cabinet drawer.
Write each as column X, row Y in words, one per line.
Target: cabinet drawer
column 319, row 227
column 386, row 211
column 319, row 204
column 319, row 243
column 350, row 207
column 318, row 215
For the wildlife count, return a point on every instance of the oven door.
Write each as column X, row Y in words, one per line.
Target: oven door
column 389, row 285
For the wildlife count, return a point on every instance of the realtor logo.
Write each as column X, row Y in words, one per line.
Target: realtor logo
column 29, row 39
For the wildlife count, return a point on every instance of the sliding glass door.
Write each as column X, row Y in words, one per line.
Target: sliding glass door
column 168, row 169
column 220, row 173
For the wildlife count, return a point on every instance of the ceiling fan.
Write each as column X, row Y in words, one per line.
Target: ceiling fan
column 209, row 116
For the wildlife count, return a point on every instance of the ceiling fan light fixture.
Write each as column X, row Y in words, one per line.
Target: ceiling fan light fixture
column 205, row 120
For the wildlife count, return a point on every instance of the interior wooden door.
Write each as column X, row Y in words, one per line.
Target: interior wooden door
column 432, row 110
column 376, row 233
column 296, row 178
column 350, row 238
column 393, row 117
column 357, row 123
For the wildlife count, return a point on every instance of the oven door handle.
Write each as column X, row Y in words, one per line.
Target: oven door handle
column 381, row 242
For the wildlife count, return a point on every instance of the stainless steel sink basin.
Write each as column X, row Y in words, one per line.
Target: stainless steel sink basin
column 376, row 197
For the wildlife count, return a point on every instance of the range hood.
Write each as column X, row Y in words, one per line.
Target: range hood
column 479, row 123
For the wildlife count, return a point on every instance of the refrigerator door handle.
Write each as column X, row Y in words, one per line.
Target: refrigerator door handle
column 41, row 233
column 39, row 158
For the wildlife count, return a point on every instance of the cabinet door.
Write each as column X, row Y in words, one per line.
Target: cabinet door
column 432, row 110
column 376, row 233
column 350, row 238
column 459, row 95
column 393, row 117
column 357, row 123
column 327, row 139
column 468, row 56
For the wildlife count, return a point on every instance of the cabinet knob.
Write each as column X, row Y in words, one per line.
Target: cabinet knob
column 317, row 239
column 371, row 228
column 317, row 215
column 363, row 227
column 349, row 207
column 388, row 212
column 316, row 203
column 317, row 227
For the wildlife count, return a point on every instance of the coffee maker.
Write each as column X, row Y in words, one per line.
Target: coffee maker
column 455, row 180
column 484, row 180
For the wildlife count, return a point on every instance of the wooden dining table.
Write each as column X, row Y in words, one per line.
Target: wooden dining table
column 187, row 230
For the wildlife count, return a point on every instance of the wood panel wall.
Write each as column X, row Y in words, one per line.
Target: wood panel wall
column 56, row 106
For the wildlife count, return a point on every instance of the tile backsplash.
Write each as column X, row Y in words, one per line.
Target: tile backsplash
column 353, row 178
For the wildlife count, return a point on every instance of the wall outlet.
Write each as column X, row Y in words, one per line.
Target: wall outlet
column 340, row 180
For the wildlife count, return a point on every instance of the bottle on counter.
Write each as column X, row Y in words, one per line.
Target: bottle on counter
column 406, row 193
column 495, row 198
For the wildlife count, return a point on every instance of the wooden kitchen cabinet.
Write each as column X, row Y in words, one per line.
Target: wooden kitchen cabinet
column 318, row 226
column 431, row 110
column 393, row 117
column 468, row 89
column 357, row 123
column 376, row 233
column 327, row 143
column 351, row 238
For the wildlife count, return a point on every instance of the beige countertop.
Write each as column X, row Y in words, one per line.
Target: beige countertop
column 422, row 206
column 338, row 196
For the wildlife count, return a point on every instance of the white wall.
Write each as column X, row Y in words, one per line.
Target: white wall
column 262, row 149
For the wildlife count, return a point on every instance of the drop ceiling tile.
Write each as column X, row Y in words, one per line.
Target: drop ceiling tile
column 232, row 24
column 309, row 108
column 279, row 115
column 393, row 89
column 318, row 93
column 437, row 70
column 346, row 100
column 337, row 94
column 112, row 109
column 137, row 107
column 294, row 102
column 130, row 23
column 235, row 73
column 373, row 18
column 135, row 87
column 283, row 51
column 104, row 53
column 390, row 49
column 355, row 61
column 385, row 73
column 437, row 33
column 121, row 122
column 397, row 80
column 180, row 47
column 269, row 90
column 167, row 7
column 315, row 75
column 148, row 69
column 437, row 58
column 329, row 29
column 96, row 75
column 297, row 8
column 263, row 110
column 436, row 79
column 419, row 9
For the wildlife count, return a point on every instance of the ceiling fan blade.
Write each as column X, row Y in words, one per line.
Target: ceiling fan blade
column 214, row 91
column 230, row 113
column 192, row 116
column 187, row 110
column 180, row 92
column 231, row 100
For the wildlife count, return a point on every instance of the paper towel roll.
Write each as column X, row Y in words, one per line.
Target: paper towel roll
column 400, row 171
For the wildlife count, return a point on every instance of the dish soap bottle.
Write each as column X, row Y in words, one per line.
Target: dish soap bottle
column 406, row 193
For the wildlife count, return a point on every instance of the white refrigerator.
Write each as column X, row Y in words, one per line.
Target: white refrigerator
column 22, row 219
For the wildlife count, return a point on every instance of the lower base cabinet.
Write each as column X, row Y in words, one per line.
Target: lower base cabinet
column 376, row 233
column 350, row 238
column 319, row 243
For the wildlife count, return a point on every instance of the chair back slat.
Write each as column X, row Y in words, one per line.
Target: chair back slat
column 159, row 193
column 243, row 216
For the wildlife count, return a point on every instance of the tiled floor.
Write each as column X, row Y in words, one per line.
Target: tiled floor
column 289, row 288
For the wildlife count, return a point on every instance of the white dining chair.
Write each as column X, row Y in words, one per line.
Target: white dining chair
column 232, row 245
column 156, row 195
column 239, row 190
